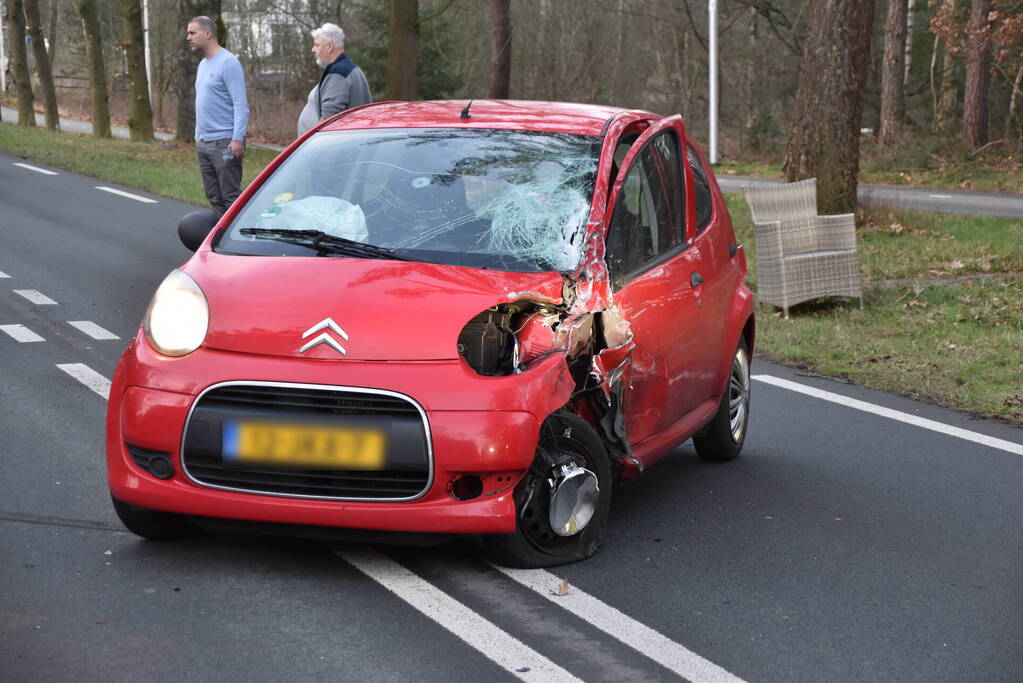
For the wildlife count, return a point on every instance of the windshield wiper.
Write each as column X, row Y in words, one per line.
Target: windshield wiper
column 325, row 243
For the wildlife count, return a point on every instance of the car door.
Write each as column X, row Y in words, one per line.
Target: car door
column 651, row 263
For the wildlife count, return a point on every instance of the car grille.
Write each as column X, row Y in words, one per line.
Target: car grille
column 407, row 476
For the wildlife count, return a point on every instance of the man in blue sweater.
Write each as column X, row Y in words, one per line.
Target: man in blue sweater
column 221, row 115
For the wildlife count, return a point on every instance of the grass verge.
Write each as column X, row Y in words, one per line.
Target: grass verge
column 943, row 321
column 164, row 168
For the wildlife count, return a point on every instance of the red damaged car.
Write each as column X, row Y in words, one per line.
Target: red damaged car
column 427, row 317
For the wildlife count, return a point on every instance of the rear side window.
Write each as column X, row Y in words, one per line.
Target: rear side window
column 701, row 189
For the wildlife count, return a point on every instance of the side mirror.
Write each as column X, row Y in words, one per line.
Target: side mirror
column 194, row 227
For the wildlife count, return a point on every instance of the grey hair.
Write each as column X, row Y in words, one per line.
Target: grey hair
column 205, row 23
column 331, row 33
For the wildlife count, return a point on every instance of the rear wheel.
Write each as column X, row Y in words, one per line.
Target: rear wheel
column 153, row 524
column 562, row 502
column 722, row 439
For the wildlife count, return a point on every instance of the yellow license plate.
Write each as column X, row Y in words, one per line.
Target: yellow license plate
column 295, row 445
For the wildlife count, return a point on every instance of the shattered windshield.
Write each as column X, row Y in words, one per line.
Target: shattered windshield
column 498, row 199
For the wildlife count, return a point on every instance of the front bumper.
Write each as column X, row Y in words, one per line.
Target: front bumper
column 481, row 425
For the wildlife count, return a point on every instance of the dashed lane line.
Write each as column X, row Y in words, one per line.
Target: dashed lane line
column 493, row 642
column 940, row 196
column 87, row 376
column 36, row 297
column 20, row 333
column 3, row 275
column 129, row 195
column 92, row 329
column 907, row 418
column 624, row 628
column 36, row 169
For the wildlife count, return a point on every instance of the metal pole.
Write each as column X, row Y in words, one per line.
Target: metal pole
column 145, row 42
column 3, row 51
column 712, row 31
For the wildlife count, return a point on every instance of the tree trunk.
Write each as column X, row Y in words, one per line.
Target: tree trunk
column 1011, row 118
column 500, row 82
column 978, row 76
column 948, row 95
column 910, row 12
column 140, row 115
column 824, row 137
column 42, row 64
column 402, row 50
column 97, row 70
column 19, row 62
column 893, row 74
column 188, row 62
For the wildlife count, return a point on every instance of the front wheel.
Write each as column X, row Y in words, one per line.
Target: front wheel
column 562, row 502
column 722, row 439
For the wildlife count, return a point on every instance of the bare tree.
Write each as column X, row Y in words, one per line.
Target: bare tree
column 42, row 64
column 402, row 50
column 500, row 81
column 97, row 69
column 978, row 76
column 824, row 136
column 893, row 74
column 19, row 62
column 140, row 117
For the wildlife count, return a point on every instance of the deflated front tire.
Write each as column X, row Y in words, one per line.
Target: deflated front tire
column 568, row 451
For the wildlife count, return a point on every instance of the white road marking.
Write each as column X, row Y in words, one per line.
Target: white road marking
column 503, row 649
column 922, row 422
column 87, row 376
column 3, row 275
column 616, row 624
column 92, row 329
column 129, row 195
column 36, row 297
column 941, row 196
column 36, row 169
column 21, row 333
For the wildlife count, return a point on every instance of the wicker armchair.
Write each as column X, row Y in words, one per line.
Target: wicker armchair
column 801, row 255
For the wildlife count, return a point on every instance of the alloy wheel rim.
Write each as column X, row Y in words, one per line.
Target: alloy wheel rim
column 738, row 395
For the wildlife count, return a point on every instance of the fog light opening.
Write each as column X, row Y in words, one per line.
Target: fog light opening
column 466, row 487
column 160, row 467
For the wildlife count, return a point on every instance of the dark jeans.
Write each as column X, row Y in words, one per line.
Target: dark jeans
column 221, row 173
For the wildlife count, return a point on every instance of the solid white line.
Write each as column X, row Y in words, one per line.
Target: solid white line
column 129, row 195
column 36, row 169
column 616, row 624
column 504, row 650
column 922, row 422
column 941, row 196
column 3, row 275
column 92, row 329
column 87, row 376
column 36, row 297
column 21, row 333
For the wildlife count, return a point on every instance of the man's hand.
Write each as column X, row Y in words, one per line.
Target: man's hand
column 237, row 148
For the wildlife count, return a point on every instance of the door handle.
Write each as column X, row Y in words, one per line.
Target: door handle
column 696, row 279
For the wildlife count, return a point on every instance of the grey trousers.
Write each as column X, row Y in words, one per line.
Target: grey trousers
column 221, row 173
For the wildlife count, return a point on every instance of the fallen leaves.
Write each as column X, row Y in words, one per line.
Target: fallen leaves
column 562, row 589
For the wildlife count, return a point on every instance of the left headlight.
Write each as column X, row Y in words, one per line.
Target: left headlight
column 178, row 316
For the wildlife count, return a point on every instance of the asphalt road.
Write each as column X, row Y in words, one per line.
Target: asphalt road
column 962, row 202
column 843, row 545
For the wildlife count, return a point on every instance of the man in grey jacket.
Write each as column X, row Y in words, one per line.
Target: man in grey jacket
column 342, row 84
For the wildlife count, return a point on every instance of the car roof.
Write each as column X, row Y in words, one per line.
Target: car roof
column 555, row 117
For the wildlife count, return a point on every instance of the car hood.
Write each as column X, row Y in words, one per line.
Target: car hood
column 373, row 309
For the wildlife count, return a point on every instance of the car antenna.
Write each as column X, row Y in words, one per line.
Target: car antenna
column 465, row 112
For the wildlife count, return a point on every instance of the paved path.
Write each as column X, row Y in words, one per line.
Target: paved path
column 85, row 127
column 853, row 540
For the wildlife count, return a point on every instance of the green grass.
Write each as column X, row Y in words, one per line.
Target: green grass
column 948, row 331
column 168, row 169
column 925, row 162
